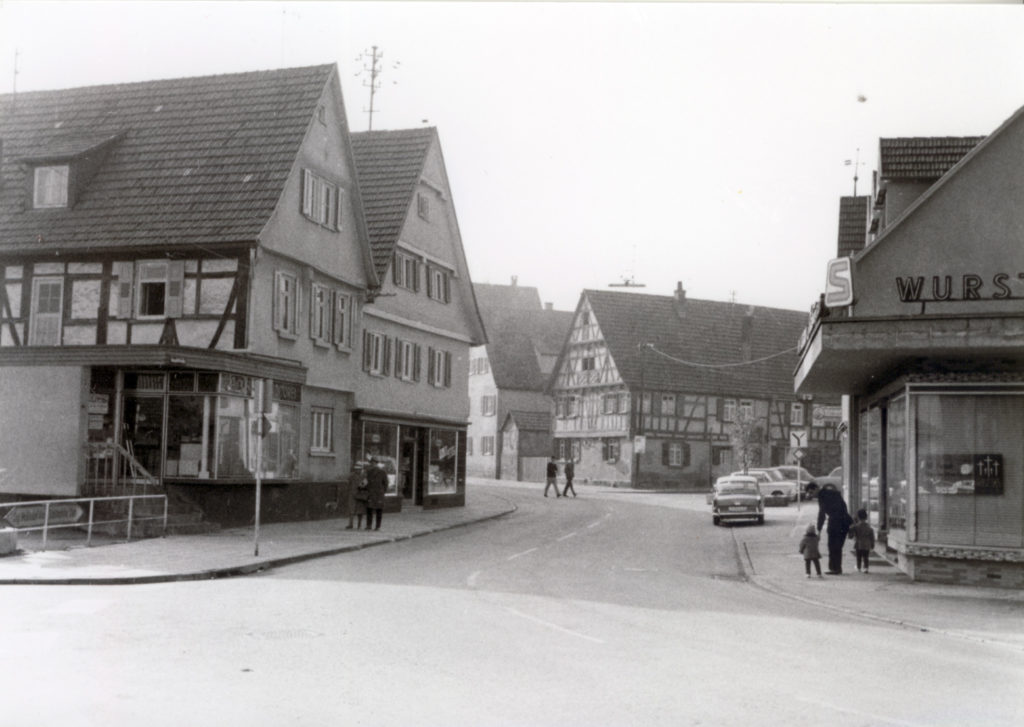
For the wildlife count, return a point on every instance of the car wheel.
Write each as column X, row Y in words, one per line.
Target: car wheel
column 715, row 520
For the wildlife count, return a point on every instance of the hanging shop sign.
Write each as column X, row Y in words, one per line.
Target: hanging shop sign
column 962, row 474
column 839, row 282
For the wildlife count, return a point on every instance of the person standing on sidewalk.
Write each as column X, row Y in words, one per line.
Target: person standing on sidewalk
column 810, row 551
column 358, row 495
column 832, row 506
column 863, row 537
column 552, row 477
column 376, row 486
column 569, row 471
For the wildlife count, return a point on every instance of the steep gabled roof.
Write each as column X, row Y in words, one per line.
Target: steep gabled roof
column 853, row 224
column 494, row 299
column 389, row 165
column 701, row 349
column 530, row 421
column 189, row 160
column 922, row 158
column 515, row 338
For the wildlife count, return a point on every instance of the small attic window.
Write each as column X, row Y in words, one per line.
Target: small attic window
column 423, row 207
column 51, row 187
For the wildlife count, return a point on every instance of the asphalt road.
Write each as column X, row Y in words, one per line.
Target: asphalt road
column 616, row 609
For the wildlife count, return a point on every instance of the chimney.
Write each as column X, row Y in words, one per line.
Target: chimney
column 549, row 306
column 679, row 302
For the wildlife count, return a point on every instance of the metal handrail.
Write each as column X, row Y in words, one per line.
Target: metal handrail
column 46, row 526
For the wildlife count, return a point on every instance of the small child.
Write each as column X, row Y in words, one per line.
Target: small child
column 809, row 547
column 863, row 537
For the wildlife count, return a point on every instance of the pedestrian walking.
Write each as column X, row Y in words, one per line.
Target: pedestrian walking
column 569, row 471
column 376, row 486
column 811, row 552
column 552, row 477
column 863, row 537
column 832, row 506
column 357, row 497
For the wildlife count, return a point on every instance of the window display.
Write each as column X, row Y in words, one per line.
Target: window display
column 443, row 462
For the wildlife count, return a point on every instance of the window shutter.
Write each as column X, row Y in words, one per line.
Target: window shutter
column 416, row 276
column 339, row 212
column 385, row 363
column 175, row 288
column 430, row 365
column 396, row 271
column 367, row 351
column 664, row 454
column 719, row 408
column 416, row 362
column 447, row 368
column 399, row 358
column 447, row 288
column 430, row 282
column 125, row 280
column 306, row 197
column 686, row 454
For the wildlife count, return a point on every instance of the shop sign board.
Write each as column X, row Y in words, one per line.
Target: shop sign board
column 639, row 444
column 839, row 283
column 962, row 474
column 32, row 516
column 821, row 415
column 98, row 404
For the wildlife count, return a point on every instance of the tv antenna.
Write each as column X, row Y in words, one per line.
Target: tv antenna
column 627, row 282
column 855, row 164
column 372, row 65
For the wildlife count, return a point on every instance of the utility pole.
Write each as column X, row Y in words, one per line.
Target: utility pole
column 372, row 65
column 639, row 442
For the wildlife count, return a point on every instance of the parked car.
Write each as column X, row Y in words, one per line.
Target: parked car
column 774, row 487
column 797, row 474
column 835, row 477
column 736, row 497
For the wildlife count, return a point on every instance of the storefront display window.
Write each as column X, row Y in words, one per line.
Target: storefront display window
column 870, row 463
column 443, row 465
column 970, row 467
column 380, row 440
column 896, row 500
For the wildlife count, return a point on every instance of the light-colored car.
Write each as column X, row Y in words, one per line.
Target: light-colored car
column 775, row 488
column 736, row 497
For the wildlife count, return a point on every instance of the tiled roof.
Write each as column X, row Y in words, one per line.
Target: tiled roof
column 497, row 298
column 389, row 165
column 532, row 421
column 708, row 333
column 853, row 224
column 200, row 160
column 514, row 340
column 923, row 158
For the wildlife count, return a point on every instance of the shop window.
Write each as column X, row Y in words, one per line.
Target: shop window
column 286, row 304
column 381, row 440
column 488, row 405
column 47, row 311
column 442, row 469
column 50, row 188
column 322, row 437
column 487, row 445
column 895, row 520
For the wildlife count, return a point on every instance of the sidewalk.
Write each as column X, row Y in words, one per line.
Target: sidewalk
column 231, row 552
column 885, row 594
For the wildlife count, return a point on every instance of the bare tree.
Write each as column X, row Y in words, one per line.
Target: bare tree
column 746, row 437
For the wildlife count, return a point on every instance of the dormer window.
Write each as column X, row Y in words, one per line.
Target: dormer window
column 50, row 188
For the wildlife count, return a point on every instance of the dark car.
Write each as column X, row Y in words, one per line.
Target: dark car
column 736, row 497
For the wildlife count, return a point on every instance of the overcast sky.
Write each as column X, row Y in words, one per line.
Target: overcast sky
column 591, row 142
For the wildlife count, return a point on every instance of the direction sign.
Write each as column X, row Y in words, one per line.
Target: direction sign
column 797, row 438
column 31, row 516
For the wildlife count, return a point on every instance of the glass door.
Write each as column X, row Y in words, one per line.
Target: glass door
column 143, row 431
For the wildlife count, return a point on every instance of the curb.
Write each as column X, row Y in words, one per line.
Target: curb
column 248, row 568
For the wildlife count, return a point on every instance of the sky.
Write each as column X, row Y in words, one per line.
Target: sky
column 589, row 144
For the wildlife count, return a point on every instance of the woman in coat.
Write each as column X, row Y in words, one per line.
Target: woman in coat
column 376, row 486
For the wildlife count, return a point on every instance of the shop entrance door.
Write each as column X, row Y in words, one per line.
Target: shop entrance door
column 144, row 431
column 408, row 464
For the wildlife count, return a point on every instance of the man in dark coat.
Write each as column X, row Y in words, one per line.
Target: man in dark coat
column 376, row 485
column 552, row 477
column 832, row 506
column 569, row 471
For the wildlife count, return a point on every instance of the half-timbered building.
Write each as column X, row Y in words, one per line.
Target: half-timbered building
column 175, row 257
column 648, row 387
column 413, row 403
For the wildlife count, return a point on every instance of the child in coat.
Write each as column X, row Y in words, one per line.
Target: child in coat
column 809, row 547
column 863, row 537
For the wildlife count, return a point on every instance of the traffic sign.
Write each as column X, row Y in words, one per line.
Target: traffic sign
column 798, row 455
column 31, row 516
column 797, row 438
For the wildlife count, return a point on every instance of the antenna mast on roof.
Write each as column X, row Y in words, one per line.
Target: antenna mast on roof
column 627, row 282
column 854, row 164
column 374, row 57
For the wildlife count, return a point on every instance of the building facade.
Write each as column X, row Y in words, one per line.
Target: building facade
column 412, row 402
column 650, row 391
column 923, row 332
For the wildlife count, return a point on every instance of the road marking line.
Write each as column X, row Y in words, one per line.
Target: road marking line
column 566, row 537
column 554, row 626
column 856, row 712
column 525, row 552
column 598, row 522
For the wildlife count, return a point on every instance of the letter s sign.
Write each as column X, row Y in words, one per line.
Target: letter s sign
column 839, row 282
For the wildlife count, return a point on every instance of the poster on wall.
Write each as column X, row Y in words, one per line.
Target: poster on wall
column 962, row 474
